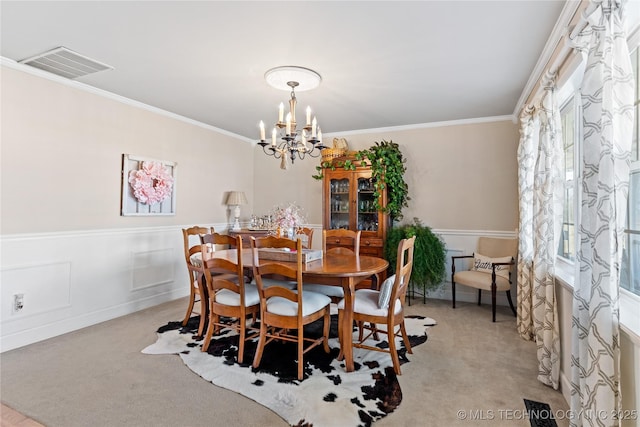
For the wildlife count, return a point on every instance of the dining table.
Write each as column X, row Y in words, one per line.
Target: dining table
column 336, row 269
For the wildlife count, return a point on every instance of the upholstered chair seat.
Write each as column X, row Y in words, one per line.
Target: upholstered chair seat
column 333, row 292
column 365, row 301
column 268, row 282
column 227, row 297
column 283, row 307
column 478, row 279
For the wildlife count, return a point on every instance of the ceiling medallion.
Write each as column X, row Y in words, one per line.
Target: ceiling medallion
column 284, row 143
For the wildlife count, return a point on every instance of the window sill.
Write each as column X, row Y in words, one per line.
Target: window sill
column 629, row 302
column 630, row 315
column 565, row 272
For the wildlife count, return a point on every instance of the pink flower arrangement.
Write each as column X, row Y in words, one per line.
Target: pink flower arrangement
column 152, row 183
column 288, row 217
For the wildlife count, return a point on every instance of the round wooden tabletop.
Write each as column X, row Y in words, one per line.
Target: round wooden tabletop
column 331, row 265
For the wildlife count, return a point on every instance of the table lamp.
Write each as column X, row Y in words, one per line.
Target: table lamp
column 236, row 198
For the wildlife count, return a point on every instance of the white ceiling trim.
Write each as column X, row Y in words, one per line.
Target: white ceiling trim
column 425, row 125
column 110, row 95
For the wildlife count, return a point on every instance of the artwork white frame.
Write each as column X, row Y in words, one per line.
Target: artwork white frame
column 130, row 206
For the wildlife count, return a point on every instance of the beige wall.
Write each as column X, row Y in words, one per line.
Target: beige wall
column 62, row 148
column 461, row 177
column 61, row 157
column 273, row 186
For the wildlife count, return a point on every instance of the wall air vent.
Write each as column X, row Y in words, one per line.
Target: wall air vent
column 65, row 63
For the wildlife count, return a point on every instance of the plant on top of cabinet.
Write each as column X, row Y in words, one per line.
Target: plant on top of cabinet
column 387, row 170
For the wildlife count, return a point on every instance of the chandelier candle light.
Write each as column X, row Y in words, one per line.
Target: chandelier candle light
column 289, row 146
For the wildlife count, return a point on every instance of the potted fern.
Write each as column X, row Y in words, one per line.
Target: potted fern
column 429, row 256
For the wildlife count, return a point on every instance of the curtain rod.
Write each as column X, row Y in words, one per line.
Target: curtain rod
column 583, row 20
column 561, row 55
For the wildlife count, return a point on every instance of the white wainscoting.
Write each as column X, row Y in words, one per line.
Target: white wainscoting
column 71, row 280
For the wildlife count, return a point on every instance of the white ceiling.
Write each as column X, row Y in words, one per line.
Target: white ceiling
column 383, row 63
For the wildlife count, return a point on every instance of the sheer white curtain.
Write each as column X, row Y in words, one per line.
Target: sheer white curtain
column 607, row 103
column 540, row 189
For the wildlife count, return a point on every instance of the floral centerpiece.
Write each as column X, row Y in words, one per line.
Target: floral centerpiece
column 152, row 183
column 288, row 218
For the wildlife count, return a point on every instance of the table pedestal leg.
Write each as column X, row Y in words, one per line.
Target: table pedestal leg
column 346, row 326
column 204, row 305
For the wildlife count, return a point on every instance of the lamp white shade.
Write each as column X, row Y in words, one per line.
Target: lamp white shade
column 236, row 198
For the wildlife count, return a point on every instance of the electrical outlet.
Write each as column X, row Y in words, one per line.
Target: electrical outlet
column 18, row 302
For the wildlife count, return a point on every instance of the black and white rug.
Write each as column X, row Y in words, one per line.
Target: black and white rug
column 327, row 396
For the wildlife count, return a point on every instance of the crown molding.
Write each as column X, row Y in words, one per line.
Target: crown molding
column 424, row 125
column 118, row 98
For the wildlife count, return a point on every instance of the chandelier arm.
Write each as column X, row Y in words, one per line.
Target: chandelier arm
column 310, row 153
column 270, row 150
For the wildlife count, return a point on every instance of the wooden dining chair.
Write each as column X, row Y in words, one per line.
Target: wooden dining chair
column 306, row 233
column 341, row 238
column 283, row 309
column 351, row 241
column 275, row 279
column 231, row 300
column 193, row 258
column 386, row 306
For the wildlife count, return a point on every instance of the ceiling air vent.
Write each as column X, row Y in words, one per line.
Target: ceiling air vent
column 65, row 63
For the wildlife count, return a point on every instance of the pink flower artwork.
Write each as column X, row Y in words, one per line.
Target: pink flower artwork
column 152, row 183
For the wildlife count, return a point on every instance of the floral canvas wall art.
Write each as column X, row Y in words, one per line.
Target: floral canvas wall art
column 148, row 186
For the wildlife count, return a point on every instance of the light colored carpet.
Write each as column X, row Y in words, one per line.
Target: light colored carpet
column 97, row 376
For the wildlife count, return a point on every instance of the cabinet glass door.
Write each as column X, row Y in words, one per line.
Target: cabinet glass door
column 340, row 206
column 367, row 214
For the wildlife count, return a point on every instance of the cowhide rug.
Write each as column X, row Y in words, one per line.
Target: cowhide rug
column 361, row 397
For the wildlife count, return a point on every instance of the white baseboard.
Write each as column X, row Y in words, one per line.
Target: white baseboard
column 50, row 330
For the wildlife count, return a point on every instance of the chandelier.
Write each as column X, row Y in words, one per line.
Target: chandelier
column 287, row 143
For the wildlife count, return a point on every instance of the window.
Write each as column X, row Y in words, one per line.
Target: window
column 630, row 272
column 567, row 245
column 630, row 268
column 630, row 275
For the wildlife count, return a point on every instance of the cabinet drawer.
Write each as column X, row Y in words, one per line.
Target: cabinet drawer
column 371, row 251
column 370, row 242
column 340, row 241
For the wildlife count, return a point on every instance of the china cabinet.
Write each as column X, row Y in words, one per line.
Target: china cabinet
column 349, row 202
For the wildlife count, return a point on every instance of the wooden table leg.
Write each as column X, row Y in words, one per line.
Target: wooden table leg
column 204, row 306
column 346, row 345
